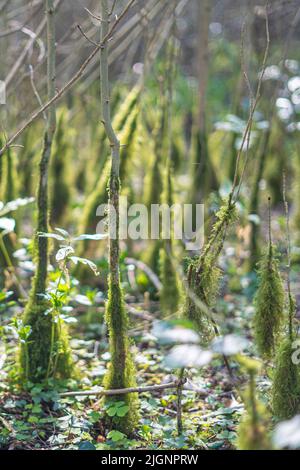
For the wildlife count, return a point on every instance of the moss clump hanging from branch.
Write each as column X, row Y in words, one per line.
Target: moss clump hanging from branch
column 286, row 382
column 269, row 303
column 204, row 274
column 46, row 338
column 121, row 372
column 60, row 170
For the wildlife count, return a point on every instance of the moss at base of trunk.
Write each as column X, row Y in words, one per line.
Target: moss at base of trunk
column 121, row 371
column 46, row 339
column 286, row 383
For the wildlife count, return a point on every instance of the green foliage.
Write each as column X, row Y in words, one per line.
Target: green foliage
column 269, row 305
column 121, row 371
column 286, row 382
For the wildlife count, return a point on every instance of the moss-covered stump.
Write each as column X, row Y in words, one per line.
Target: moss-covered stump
column 47, row 353
column 121, row 371
column 286, row 383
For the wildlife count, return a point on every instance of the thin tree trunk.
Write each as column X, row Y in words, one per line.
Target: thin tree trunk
column 42, row 199
column 121, row 373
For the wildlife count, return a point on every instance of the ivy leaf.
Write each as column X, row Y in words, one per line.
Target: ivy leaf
column 121, row 412
column 116, row 436
column 86, row 445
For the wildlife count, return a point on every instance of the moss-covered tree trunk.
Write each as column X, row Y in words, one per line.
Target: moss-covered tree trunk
column 47, row 339
column 121, row 372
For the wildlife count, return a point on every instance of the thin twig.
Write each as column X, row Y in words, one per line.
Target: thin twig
column 121, row 391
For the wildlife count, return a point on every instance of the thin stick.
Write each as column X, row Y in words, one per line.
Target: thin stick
column 121, row 391
column 288, row 243
column 179, row 402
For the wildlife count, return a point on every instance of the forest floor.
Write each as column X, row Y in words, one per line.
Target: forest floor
column 212, row 406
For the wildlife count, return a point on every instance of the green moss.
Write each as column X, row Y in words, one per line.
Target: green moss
column 269, row 305
column 252, row 432
column 286, row 383
column 121, row 371
column 34, row 357
column 204, row 275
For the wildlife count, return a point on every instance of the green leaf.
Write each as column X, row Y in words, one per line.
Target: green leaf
column 116, row 436
column 121, row 412
column 86, row 445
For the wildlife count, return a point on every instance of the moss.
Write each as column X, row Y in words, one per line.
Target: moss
column 38, row 351
column 252, row 433
column 269, row 305
column 46, row 336
column 121, row 371
column 286, row 383
column 204, row 275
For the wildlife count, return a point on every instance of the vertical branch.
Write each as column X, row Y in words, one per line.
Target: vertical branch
column 204, row 16
column 115, row 148
column 288, row 243
column 179, row 402
column 42, row 198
